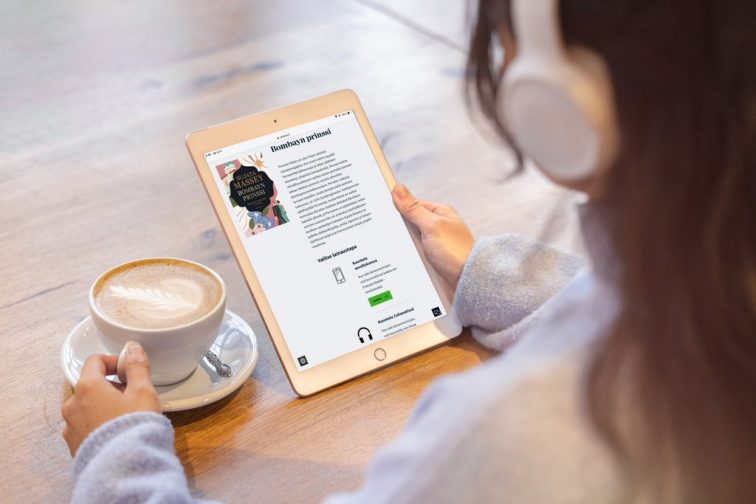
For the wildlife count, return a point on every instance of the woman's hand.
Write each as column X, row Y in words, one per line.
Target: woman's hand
column 97, row 400
column 446, row 239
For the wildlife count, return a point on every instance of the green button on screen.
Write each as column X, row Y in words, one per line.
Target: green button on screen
column 380, row 298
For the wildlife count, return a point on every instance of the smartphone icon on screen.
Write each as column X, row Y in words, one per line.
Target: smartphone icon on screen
column 339, row 275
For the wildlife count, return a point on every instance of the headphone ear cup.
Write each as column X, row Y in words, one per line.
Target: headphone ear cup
column 560, row 116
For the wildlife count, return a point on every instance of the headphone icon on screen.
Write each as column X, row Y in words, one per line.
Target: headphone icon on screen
column 367, row 333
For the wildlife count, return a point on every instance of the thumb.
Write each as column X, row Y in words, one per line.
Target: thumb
column 411, row 208
column 136, row 365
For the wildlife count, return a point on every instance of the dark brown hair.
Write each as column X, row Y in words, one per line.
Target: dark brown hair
column 681, row 206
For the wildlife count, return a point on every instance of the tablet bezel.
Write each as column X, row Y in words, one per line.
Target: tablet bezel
column 357, row 362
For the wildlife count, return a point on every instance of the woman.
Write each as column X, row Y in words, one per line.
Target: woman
column 637, row 381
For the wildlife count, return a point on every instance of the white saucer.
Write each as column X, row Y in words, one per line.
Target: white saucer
column 235, row 344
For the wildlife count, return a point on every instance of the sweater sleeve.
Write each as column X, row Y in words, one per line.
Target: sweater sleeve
column 130, row 459
column 505, row 283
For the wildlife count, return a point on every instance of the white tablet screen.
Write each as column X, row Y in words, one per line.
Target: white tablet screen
column 331, row 252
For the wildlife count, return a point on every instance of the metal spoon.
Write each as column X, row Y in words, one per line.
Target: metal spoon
column 223, row 370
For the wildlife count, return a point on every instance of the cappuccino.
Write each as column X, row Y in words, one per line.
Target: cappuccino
column 157, row 294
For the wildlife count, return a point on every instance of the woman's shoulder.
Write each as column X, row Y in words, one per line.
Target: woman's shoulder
column 514, row 428
column 526, row 430
column 534, row 438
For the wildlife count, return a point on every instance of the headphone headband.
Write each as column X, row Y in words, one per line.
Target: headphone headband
column 542, row 14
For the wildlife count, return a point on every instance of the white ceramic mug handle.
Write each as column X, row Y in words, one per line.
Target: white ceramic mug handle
column 121, row 366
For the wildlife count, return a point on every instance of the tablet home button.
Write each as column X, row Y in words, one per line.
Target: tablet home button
column 379, row 353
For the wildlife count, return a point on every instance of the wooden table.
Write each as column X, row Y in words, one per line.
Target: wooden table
column 95, row 102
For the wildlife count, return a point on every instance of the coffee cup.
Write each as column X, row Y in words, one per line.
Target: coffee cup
column 172, row 307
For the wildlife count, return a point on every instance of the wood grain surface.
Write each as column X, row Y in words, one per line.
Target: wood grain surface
column 95, row 101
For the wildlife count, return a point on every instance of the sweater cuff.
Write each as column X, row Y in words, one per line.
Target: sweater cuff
column 105, row 433
column 466, row 296
column 507, row 278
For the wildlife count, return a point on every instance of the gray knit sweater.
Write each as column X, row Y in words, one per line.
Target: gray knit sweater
column 514, row 429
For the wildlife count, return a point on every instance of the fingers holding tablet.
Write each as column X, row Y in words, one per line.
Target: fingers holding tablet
column 446, row 239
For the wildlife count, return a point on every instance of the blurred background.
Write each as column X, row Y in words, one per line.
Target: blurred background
column 102, row 86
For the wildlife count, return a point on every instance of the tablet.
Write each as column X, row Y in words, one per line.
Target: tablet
column 303, row 194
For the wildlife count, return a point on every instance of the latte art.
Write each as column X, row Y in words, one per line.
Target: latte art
column 174, row 297
column 157, row 294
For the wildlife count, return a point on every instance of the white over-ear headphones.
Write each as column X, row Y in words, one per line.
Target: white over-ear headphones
column 557, row 106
